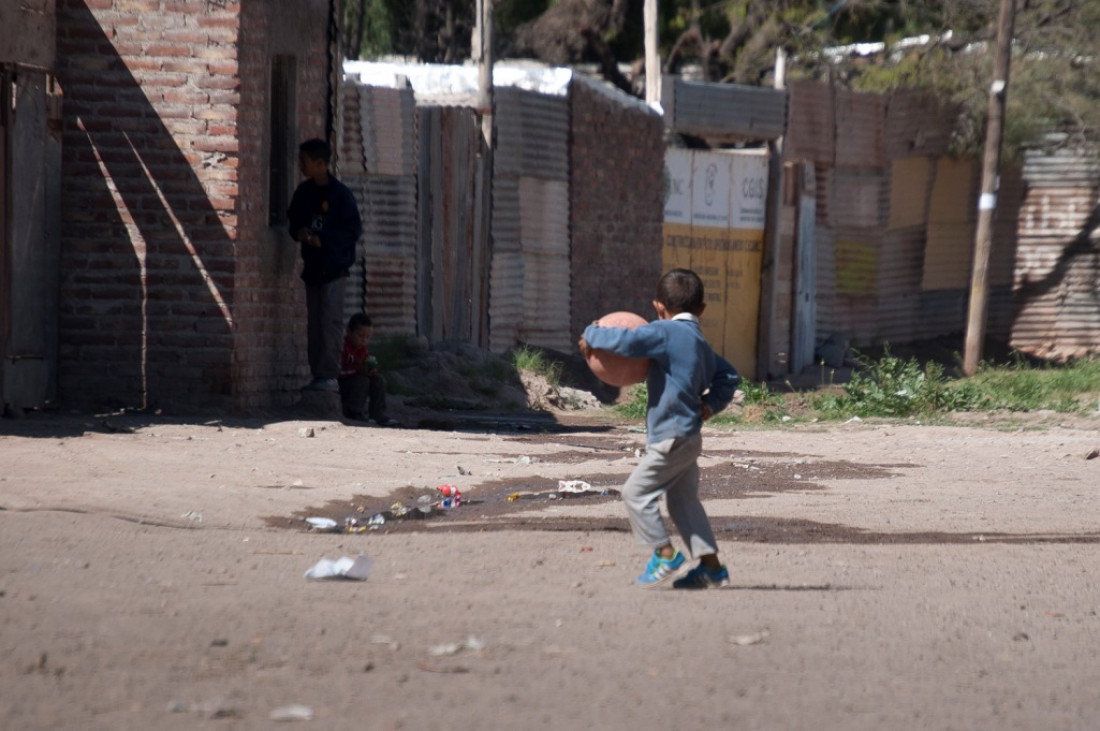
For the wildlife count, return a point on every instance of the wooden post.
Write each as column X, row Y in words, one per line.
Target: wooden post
column 772, row 216
column 987, row 202
column 652, row 54
column 481, row 266
column 483, row 54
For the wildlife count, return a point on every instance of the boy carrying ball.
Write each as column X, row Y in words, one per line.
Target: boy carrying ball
column 688, row 383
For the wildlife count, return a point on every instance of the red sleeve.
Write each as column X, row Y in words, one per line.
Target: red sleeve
column 351, row 360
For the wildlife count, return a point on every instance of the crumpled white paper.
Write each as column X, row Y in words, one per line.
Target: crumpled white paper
column 345, row 567
column 295, row 712
column 576, row 486
column 323, row 524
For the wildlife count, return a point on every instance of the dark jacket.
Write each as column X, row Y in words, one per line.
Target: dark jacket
column 330, row 212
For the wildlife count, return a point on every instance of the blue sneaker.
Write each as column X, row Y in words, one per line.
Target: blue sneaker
column 659, row 569
column 701, row 577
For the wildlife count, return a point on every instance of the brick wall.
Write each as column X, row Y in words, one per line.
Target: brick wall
column 173, row 291
column 269, row 362
column 616, row 205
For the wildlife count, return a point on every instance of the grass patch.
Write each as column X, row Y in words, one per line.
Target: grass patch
column 892, row 387
column 526, row 358
column 634, row 405
column 760, row 404
column 899, row 388
column 1023, row 387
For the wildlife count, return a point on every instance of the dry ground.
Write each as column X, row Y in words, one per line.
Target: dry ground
column 884, row 577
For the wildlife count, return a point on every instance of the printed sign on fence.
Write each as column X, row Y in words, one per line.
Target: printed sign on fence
column 714, row 225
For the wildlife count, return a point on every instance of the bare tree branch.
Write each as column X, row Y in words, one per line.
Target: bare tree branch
column 609, row 65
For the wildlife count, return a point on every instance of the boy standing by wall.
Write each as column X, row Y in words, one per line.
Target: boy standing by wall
column 324, row 219
column 688, row 383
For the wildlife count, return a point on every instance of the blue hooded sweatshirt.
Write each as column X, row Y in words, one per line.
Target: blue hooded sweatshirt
column 684, row 372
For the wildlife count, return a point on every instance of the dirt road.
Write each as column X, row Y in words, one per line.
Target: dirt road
column 884, row 577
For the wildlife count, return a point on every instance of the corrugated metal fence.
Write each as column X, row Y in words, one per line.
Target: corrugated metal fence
column 1057, row 279
column 895, row 216
column 423, row 268
column 530, row 290
column 379, row 162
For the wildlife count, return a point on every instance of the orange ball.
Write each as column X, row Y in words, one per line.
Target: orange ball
column 618, row 370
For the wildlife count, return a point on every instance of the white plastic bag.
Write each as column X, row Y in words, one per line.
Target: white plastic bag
column 345, row 567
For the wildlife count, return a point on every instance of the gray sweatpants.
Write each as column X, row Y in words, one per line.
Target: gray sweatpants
column 669, row 468
column 325, row 328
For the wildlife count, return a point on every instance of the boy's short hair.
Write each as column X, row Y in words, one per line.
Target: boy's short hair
column 316, row 149
column 681, row 290
column 357, row 321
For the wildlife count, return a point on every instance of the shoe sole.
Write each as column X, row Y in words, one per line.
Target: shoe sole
column 707, row 585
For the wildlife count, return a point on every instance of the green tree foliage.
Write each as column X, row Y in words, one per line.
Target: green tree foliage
column 432, row 31
column 1054, row 84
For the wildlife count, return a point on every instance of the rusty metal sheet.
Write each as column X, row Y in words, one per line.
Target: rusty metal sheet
column 349, row 134
column 825, row 175
column 900, row 262
column 860, row 123
column 1057, row 268
column 811, row 128
column 895, row 219
column 859, row 199
column 389, row 130
column 917, row 124
column 723, row 111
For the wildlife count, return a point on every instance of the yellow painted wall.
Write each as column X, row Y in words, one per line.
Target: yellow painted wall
column 949, row 251
column 908, row 181
column 714, row 225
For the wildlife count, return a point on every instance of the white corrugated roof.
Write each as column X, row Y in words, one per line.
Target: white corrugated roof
column 436, row 80
column 458, row 84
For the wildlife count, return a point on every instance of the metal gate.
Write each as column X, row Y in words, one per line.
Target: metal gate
column 30, row 163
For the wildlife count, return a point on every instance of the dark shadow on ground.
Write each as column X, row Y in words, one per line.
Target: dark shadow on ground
column 48, row 424
column 529, row 503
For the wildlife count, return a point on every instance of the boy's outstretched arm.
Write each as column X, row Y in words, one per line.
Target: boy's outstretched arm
column 722, row 387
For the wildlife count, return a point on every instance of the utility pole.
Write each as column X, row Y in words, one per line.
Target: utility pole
column 652, row 54
column 483, row 54
column 773, row 213
column 987, row 202
column 483, row 197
